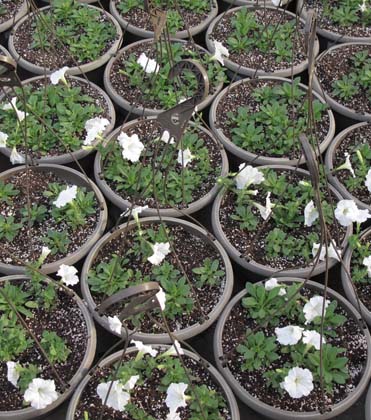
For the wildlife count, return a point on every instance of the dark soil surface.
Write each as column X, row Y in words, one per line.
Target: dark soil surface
column 349, row 336
column 27, row 245
column 336, row 64
column 146, row 396
column 12, row 7
column 191, row 251
column 67, row 321
column 256, row 59
column 241, row 96
column 148, row 130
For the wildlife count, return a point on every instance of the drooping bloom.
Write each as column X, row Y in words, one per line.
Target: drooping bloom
column 15, row 157
column 220, row 52
column 68, row 275
column 312, row 338
column 66, row 196
column 175, row 396
column 313, row 308
column 367, row 263
column 272, row 284
column 115, row 324
column 267, row 210
column 347, row 165
column 131, row 146
column 3, row 139
column 172, row 351
column 12, row 372
column 332, row 252
column 148, row 65
column 368, row 180
column 144, row 349
column 21, row 115
column 41, row 393
column 310, row 214
column 94, row 129
column 289, row 336
column 165, row 137
column 135, row 212
column 59, row 75
column 112, row 394
column 161, row 298
column 160, row 250
column 185, row 157
column 248, row 175
column 298, row 382
column 347, row 212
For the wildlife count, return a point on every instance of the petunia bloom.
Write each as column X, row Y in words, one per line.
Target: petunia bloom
column 160, row 250
column 310, row 214
column 59, row 75
column 68, row 275
column 41, row 393
column 94, row 129
column 312, row 338
column 298, row 382
column 113, row 395
column 131, row 146
column 12, row 372
column 144, row 349
column 289, row 336
column 313, row 308
column 15, row 157
column 272, row 284
column 66, row 196
column 3, row 139
column 148, row 65
column 114, row 324
column 347, row 212
column 248, row 175
column 220, row 52
column 185, row 157
column 175, row 396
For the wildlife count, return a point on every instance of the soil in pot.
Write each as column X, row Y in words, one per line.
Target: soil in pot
column 262, row 39
column 342, row 72
column 56, row 320
column 56, row 116
column 357, row 143
column 344, row 350
column 177, row 183
column 25, row 229
column 266, row 116
column 154, row 89
column 150, row 391
column 68, row 34
column 8, row 9
column 123, row 262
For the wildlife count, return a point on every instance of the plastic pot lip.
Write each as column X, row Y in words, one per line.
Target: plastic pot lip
column 337, row 106
column 162, row 338
column 248, row 71
column 252, row 157
column 215, row 374
column 141, row 111
column 332, row 36
column 261, row 269
column 81, row 153
column 81, row 180
column 9, row 23
column 347, row 283
column 91, row 343
column 277, row 413
column 83, row 68
column 334, row 180
column 123, row 204
column 144, row 33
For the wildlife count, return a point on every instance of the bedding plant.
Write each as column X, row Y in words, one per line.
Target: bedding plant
column 274, row 335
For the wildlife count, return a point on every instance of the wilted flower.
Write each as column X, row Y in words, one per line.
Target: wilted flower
column 12, row 372
column 68, row 276
column 161, row 298
column 289, row 335
column 267, row 210
column 15, row 157
column 41, row 393
column 131, row 146
column 160, row 250
column 248, row 175
column 220, row 52
column 298, row 382
column 172, row 351
column 147, row 64
column 135, row 212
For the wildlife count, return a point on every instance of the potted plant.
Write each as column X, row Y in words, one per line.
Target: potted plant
column 48, row 205
column 192, row 268
column 260, row 40
column 348, row 161
column 67, row 33
column 10, row 12
column 260, row 120
column 268, row 221
column 66, row 116
column 185, row 174
column 137, row 78
column 183, row 20
column 340, row 21
column 270, row 341
column 36, row 377
column 342, row 76
column 158, row 383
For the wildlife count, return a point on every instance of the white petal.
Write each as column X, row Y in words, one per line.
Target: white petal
column 148, row 65
column 114, row 324
column 40, row 393
column 58, row 75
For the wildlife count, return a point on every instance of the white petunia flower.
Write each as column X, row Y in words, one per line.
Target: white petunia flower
column 21, row 115
column 45, row 251
column 160, row 250
column 367, row 263
column 41, row 393
column 267, row 210
column 68, row 276
column 331, row 251
column 3, row 139
column 114, row 324
column 298, row 382
column 15, row 157
column 313, row 308
column 248, row 175
column 172, row 351
column 289, row 335
column 175, row 396
column 347, row 165
column 362, row 7
column 94, row 129
column 161, row 298
column 144, row 349
column 367, row 180
column 66, row 196
column 184, row 157
column 220, row 52
column 12, row 372
column 347, row 212
column 310, row 214
column 131, row 146
column 148, row 65
column 165, row 137
column 135, row 212
column 313, row 338
column 59, row 75
column 272, row 284
column 113, row 395
column 130, row 384
column 173, row 415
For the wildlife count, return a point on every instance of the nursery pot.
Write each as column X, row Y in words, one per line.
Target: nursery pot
column 77, row 178
column 333, row 103
column 330, row 165
column 80, row 69
column 277, row 413
column 144, row 33
column 245, row 155
column 23, row 9
column 163, row 338
column 252, row 72
column 123, row 204
column 31, row 413
column 264, row 270
column 216, row 376
column 143, row 111
column 66, row 158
